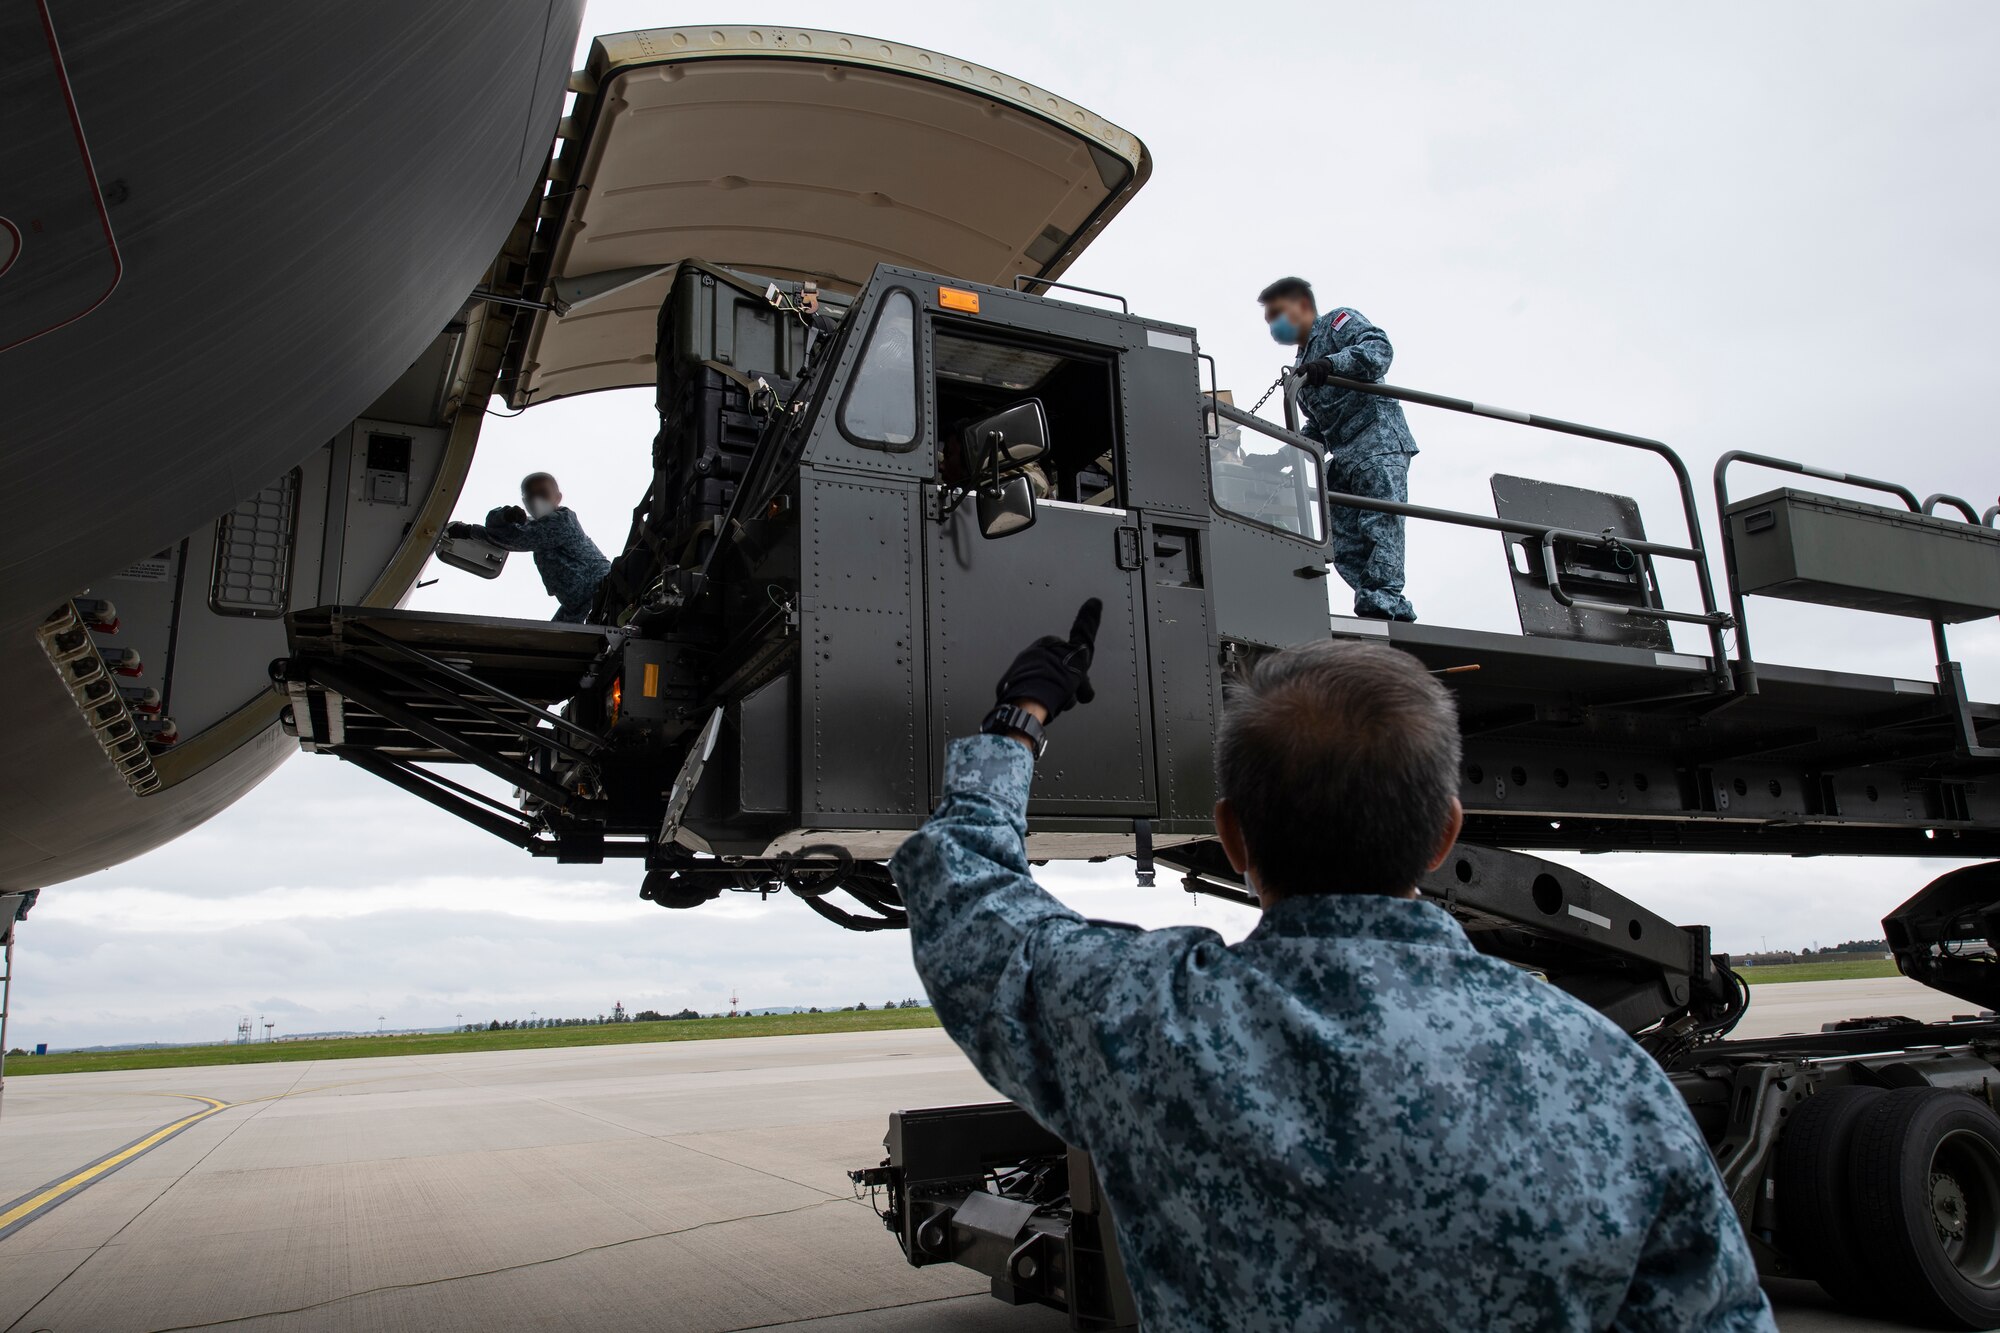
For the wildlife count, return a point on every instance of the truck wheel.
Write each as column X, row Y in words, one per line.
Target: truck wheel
column 1924, row 1185
column 1815, row 1229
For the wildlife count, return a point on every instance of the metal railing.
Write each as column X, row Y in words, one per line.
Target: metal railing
column 1710, row 617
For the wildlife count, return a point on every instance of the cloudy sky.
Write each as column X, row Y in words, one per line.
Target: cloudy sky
column 1763, row 227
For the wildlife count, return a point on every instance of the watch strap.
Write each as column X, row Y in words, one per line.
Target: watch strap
column 1007, row 719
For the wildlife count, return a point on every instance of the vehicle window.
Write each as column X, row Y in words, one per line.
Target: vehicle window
column 881, row 407
column 965, row 360
column 1267, row 481
column 976, row 373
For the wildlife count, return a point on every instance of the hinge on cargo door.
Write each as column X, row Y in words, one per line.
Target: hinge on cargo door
column 1129, row 554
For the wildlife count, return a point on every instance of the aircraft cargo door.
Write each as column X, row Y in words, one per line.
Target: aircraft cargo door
column 989, row 597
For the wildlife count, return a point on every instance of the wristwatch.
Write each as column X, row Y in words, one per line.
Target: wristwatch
column 1008, row 720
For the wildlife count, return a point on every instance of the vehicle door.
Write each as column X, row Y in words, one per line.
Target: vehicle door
column 1270, row 538
column 987, row 597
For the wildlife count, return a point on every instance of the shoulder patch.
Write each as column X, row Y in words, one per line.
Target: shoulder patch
column 1342, row 318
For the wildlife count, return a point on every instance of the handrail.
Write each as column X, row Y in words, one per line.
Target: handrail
column 1931, row 502
column 1690, row 511
column 1032, row 281
column 1710, row 616
column 1211, row 427
column 1903, row 493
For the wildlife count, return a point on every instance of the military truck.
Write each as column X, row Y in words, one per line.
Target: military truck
column 868, row 490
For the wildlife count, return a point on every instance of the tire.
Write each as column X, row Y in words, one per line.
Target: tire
column 1815, row 1226
column 1924, row 1190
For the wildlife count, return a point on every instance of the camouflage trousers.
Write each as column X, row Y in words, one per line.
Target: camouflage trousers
column 1367, row 546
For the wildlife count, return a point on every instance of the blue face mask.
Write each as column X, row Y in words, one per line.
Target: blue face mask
column 1284, row 331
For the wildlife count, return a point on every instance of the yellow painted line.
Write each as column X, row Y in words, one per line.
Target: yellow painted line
column 35, row 1204
column 30, row 1206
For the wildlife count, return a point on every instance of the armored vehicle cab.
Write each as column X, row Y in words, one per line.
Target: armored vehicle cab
column 869, row 520
column 854, row 521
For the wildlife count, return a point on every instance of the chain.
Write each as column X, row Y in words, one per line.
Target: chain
column 1276, row 385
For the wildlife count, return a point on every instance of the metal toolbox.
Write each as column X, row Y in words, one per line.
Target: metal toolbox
column 474, row 555
column 1816, row 548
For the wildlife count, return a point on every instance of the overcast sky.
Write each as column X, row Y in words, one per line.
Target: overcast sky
column 1764, row 227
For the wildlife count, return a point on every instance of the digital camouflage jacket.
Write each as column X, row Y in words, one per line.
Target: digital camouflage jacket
column 1351, row 1120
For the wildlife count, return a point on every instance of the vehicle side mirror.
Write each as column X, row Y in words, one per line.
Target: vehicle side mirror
column 1011, row 438
column 1006, row 507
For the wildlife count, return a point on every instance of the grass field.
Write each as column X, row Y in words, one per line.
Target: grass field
column 1845, row 970
column 619, row 1034
column 444, row 1043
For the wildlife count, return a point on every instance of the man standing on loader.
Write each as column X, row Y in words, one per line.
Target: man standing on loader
column 1368, row 444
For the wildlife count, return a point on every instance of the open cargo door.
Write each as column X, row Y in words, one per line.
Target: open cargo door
column 801, row 155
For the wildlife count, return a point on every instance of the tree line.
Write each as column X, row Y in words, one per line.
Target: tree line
column 618, row 1015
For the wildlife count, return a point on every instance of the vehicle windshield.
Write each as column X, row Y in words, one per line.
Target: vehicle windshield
column 1267, row 481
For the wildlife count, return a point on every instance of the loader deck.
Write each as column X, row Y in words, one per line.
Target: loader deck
column 1602, row 747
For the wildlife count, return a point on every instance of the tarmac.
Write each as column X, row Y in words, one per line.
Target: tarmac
column 678, row 1186
column 1801, row 1006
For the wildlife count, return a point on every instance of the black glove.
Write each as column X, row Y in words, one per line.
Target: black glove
column 508, row 514
column 1055, row 673
column 458, row 529
column 1315, row 372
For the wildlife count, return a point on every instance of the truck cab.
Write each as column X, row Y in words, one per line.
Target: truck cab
column 909, row 605
column 854, row 522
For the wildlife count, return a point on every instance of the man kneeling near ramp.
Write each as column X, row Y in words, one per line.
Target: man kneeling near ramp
column 1351, row 1120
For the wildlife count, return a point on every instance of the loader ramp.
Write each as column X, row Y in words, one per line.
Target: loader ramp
column 399, row 666
column 393, row 690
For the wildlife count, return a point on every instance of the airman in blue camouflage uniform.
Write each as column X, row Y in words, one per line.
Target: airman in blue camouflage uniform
column 569, row 562
column 1368, row 443
column 1351, row 1120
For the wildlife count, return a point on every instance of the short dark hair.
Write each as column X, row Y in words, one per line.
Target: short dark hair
column 1341, row 761
column 1287, row 287
column 534, row 477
